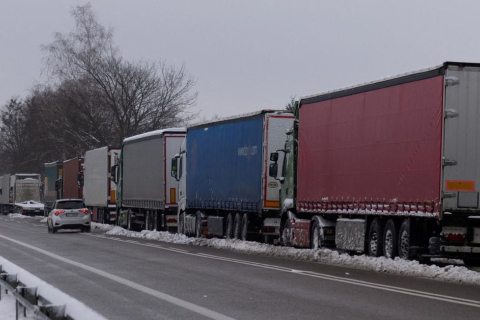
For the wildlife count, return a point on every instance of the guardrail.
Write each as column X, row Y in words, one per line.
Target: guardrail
column 29, row 299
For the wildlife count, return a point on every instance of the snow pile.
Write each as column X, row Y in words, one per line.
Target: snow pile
column 101, row 227
column 17, row 216
column 398, row 266
column 74, row 308
column 7, row 307
column 44, row 220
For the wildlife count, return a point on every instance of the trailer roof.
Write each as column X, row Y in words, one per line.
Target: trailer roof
column 385, row 82
column 51, row 164
column 76, row 158
column 155, row 133
column 234, row 118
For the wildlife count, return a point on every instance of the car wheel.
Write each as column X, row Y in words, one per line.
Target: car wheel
column 245, row 227
column 390, row 238
column 229, row 231
column 404, row 241
column 375, row 239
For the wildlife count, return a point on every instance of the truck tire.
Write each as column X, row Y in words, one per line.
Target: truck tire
column 230, row 226
column 244, row 233
column 198, row 226
column 286, row 233
column 375, row 239
column 129, row 222
column 181, row 223
column 237, row 230
column 390, row 240
column 315, row 240
column 404, row 241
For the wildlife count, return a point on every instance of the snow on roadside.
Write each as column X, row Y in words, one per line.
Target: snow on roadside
column 7, row 307
column 74, row 308
column 398, row 266
column 21, row 216
column 17, row 216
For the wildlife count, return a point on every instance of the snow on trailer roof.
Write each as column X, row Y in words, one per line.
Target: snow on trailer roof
column 51, row 164
column 233, row 118
column 76, row 158
column 155, row 133
column 383, row 82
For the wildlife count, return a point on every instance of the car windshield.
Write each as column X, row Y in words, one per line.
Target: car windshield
column 70, row 205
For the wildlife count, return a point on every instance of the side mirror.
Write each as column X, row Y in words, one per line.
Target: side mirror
column 272, row 170
column 174, row 167
column 80, row 178
column 114, row 173
column 274, row 157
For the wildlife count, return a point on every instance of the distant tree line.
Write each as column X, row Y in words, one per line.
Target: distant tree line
column 94, row 98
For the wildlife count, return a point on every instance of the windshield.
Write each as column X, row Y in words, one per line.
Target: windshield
column 70, row 205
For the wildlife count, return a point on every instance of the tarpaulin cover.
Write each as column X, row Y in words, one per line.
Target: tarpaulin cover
column 382, row 146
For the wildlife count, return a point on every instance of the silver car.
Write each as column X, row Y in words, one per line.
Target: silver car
column 69, row 214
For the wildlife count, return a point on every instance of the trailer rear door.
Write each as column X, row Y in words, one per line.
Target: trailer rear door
column 274, row 139
column 461, row 155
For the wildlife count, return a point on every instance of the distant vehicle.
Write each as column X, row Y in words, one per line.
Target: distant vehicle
column 69, row 214
column 71, row 179
column 98, row 186
column 224, row 189
column 17, row 188
column 29, row 207
column 52, row 184
column 146, row 194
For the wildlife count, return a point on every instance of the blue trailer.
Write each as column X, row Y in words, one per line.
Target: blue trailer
column 224, row 187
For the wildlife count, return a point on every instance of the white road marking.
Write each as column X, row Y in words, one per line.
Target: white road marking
column 373, row 285
column 163, row 296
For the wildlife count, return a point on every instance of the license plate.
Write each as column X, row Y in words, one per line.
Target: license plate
column 71, row 214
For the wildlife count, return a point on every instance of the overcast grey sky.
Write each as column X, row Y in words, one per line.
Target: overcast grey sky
column 253, row 54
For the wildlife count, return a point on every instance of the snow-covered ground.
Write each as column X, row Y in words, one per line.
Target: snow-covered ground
column 74, row 308
column 7, row 308
column 450, row 273
column 21, row 216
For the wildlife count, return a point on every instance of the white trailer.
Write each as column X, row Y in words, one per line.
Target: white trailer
column 99, row 190
column 18, row 188
column 148, row 194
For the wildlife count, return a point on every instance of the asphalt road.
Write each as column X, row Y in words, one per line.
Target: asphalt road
column 123, row 278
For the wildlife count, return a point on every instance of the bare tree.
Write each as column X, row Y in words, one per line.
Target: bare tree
column 135, row 96
column 290, row 106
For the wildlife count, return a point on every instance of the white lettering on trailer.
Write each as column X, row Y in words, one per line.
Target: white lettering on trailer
column 247, row 151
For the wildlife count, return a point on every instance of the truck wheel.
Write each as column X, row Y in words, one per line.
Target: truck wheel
column 198, row 226
column 245, row 227
column 148, row 220
column 315, row 240
column 390, row 245
column 375, row 239
column 129, row 222
column 237, row 226
column 181, row 223
column 229, row 228
column 286, row 233
column 404, row 241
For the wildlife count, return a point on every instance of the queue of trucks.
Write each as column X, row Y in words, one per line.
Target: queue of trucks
column 390, row 167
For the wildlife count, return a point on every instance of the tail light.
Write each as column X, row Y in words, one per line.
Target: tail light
column 84, row 211
column 454, row 237
column 268, row 229
column 57, row 212
column 172, row 220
